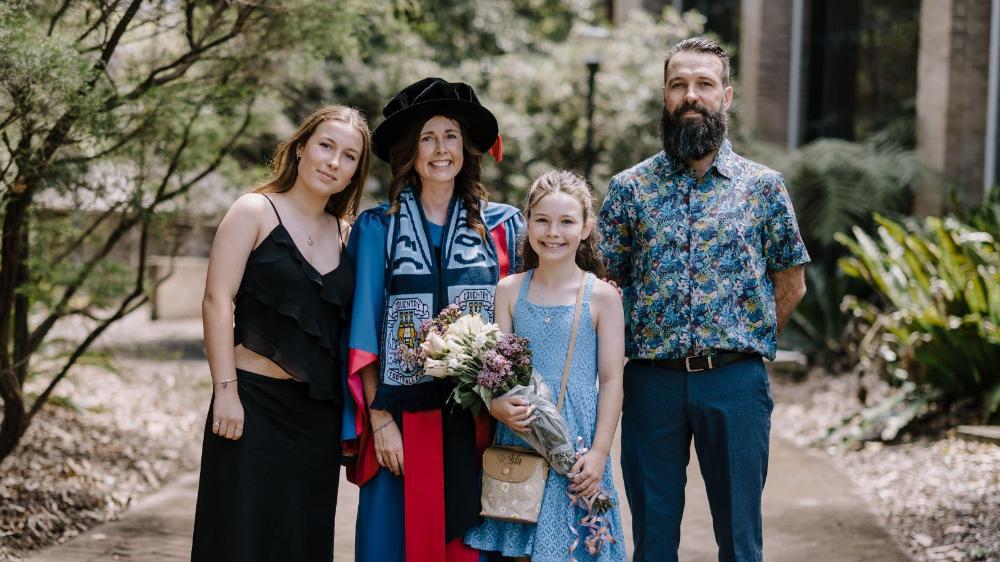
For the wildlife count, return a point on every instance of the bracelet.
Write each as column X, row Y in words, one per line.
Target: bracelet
column 225, row 383
column 383, row 426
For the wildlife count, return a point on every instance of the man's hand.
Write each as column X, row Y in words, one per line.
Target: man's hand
column 789, row 288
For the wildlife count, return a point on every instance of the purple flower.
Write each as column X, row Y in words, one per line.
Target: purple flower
column 496, row 371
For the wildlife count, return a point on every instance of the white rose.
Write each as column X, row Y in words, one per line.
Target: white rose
column 434, row 345
column 476, row 324
column 435, row 367
column 459, row 327
column 453, row 341
column 454, row 361
column 467, row 324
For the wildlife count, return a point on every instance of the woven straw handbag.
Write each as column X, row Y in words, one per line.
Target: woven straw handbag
column 513, row 484
column 514, row 477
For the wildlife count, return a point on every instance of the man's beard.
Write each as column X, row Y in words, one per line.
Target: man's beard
column 692, row 139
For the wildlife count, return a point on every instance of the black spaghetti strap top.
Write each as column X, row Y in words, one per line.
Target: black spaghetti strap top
column 291, row 314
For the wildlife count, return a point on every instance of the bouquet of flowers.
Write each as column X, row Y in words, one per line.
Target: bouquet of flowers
column 484, row 364
column 480, row 360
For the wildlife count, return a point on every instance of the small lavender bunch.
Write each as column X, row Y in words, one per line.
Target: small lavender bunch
column 495, row 371
column 516, row 350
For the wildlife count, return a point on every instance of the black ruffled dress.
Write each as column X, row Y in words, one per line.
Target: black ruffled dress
column 272, row 495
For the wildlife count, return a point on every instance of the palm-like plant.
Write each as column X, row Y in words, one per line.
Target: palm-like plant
column 837, row 185
column 939, row 285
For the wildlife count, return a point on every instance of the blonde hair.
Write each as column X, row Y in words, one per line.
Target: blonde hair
column 285, row 163
column 574, row 185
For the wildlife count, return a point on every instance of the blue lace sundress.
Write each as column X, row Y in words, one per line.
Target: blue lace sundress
column 548, row 328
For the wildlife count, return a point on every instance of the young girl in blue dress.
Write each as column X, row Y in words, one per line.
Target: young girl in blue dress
column 561, row 253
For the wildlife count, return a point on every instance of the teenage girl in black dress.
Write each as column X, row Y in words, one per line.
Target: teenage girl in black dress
column 271, row 459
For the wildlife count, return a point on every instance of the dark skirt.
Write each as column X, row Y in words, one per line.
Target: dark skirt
column 272, row 495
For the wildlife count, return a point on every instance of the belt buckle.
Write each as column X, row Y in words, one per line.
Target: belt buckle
column 687, row 363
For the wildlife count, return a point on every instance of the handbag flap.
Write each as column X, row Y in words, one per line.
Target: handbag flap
column 511, row 464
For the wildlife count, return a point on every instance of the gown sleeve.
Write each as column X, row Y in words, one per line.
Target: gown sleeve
column 505, row 224
column 366, row 248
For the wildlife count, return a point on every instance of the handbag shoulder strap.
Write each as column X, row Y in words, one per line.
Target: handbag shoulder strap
column 572, row 342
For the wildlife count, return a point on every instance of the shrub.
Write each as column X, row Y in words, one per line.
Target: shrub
column 938, row 310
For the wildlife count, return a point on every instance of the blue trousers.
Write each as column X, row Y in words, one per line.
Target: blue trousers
column 728, row 412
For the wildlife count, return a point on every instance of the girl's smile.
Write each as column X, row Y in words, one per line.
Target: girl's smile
column 556, row 226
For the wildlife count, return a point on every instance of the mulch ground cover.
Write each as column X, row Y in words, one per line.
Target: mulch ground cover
column 109, row 437
column 939, row 495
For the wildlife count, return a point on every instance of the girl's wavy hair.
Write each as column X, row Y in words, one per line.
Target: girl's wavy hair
column 588, row 258
column 468, row 184
column 285, row 163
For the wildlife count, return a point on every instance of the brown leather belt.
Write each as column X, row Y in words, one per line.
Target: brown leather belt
column 695, row 363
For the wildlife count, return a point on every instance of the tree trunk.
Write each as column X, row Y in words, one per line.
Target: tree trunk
column 22, row 354
column 15, row 419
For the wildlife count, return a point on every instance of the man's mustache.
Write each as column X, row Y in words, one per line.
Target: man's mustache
column 685, row 107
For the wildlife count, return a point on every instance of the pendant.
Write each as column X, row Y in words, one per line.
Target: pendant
column 309, row 240
column 547, row 319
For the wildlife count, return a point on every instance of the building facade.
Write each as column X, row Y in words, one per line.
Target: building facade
column 925, row 72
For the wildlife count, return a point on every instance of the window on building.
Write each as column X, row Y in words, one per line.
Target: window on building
column 862, row 68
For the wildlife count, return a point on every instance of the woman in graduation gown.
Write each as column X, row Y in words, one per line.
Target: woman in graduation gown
column 436, row 242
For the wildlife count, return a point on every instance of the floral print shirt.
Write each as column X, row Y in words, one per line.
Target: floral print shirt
column 693, row 254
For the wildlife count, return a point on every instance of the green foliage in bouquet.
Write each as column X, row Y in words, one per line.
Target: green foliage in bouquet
column 937, row 322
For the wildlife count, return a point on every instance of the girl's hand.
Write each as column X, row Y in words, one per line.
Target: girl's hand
column 227, row 414
column 388, row 441
column 588, row 471
column 514, row 412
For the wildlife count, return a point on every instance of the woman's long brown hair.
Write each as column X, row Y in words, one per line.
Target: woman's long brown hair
column 588, row 258
column 468, row 187
column 285, row 164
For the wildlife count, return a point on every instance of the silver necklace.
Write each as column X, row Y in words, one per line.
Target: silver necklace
column 309, row 238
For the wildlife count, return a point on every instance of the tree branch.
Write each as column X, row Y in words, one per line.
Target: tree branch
column 179, row 66
column 111, row 149
column 105, row 14
column 189, row 22
column 124, row 225
column 11, row 117
column 59, row 14
column 222, row 153
column 60, row 131
column 116, row 36
column 127, row 305
column 79, row 241
column 10, row 150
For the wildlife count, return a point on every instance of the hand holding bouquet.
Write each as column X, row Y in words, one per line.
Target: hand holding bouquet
column 485, row 363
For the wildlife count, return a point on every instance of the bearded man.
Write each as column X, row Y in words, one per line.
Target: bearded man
column 706, row 249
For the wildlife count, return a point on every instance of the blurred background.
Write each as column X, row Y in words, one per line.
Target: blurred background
column 127, row 128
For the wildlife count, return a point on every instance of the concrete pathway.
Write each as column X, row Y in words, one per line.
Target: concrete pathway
column 811, row 511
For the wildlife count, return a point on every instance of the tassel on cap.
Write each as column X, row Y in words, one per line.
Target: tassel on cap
column 496, row 151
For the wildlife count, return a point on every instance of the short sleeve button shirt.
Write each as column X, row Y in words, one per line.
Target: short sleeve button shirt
column 693, row 254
